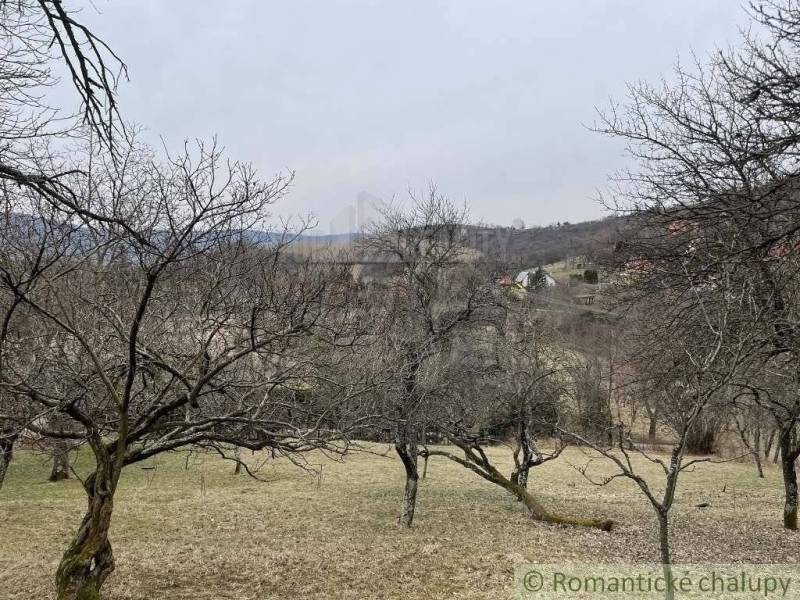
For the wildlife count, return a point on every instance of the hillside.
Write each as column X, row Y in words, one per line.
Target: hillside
column 543, row 245
column 518, row 248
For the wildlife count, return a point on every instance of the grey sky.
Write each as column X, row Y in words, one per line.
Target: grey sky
column 486, row 98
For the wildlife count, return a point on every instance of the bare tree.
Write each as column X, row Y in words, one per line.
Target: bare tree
column 714, row 189
column 501, row 383
column 694, row 351
column 34, row 35
column 433, row 292
column 531, row 374
column 171, row 324
column 32, row 247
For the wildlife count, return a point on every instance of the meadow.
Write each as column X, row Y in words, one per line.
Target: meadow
column 193, row 529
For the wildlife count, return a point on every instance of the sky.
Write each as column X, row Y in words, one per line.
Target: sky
column 489, row 100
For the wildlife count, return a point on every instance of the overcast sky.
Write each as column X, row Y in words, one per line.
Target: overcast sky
column 486, row 98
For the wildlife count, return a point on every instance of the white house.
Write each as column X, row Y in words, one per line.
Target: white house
column 525, row 277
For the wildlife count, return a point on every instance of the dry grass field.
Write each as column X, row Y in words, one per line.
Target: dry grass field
column 204, row 533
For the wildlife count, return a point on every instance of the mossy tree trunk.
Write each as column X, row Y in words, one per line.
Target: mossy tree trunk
column 89, row 560
column 476, row 461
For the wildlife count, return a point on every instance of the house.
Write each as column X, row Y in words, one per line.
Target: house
column 784, row 249
column 504, row 281
column 526, row 278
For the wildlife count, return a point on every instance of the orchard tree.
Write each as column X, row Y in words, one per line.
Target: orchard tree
column 432, row 292
column 170, row 325
column 692, row 353
column 714, row 191
column 505, row 386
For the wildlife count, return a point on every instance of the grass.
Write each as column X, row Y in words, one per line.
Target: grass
column 561, row 270
column 205, row 533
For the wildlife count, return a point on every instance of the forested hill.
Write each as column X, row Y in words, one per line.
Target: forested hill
column 543, row 245
column 511, row 246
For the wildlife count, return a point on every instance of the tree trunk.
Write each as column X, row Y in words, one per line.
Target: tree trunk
column 407, row 449
column 523, row 454
column 6, row 454
column 666, row 554
column 535, row 509
column 237, row 454
column 768, row 445
column 757, row 452
column 88, row 560
column 701, row 437
column 652, row 430
column 788, row 460
column 409, row 500
column 754, row 448
column 522, row 477
column 60, row 454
